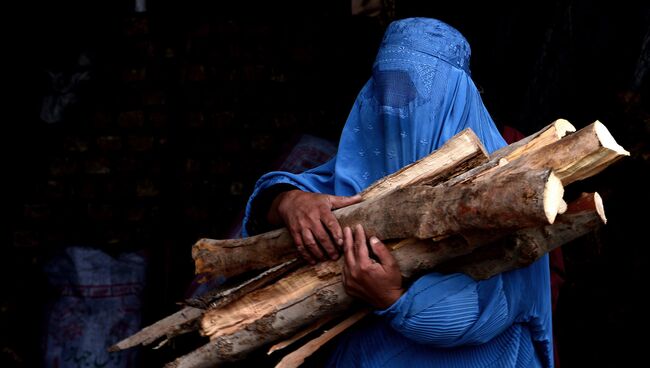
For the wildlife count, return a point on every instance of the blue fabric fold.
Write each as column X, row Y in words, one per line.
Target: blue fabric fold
column 420, row 95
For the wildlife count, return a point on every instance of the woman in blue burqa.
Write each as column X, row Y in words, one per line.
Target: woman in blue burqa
column 420, row 95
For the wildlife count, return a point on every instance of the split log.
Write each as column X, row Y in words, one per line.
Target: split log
column 515, row 200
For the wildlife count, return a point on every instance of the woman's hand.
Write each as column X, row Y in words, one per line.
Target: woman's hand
column 378, row 283
column 309, row 219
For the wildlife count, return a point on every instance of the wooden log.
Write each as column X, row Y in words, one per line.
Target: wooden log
column 460, row 153
column 545, row 136
column 514, row 200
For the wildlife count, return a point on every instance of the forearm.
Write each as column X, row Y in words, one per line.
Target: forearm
column 263, row 214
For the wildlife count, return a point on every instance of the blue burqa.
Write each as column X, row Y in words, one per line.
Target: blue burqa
column 420, row 95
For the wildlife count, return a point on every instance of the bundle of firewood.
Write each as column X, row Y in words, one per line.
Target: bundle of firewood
column 456, row 210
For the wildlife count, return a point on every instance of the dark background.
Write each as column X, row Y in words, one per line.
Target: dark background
column 187, row 104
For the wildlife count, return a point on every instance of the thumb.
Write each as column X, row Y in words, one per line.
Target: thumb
column 386, row 258
column 342, row 201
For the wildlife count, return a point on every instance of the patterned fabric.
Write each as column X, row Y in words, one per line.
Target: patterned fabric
column 420, row 95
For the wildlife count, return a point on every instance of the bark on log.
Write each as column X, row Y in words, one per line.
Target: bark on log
column 511, row 201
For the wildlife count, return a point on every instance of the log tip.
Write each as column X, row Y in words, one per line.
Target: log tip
column 552, row 197
column 600, row 209
column 562, row 127
column 607, row 140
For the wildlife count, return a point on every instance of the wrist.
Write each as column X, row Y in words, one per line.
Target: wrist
column 274, row 215
column 391, row 297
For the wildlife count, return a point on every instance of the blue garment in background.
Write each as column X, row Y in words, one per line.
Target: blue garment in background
column 420, row 95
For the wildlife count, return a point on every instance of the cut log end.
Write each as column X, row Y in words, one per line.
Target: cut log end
column 553, row 202
column 562, row 127
column 607, row 140
column 600, row 209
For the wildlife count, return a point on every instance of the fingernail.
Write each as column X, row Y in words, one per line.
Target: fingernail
column 339, row 241
column 374, row 240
